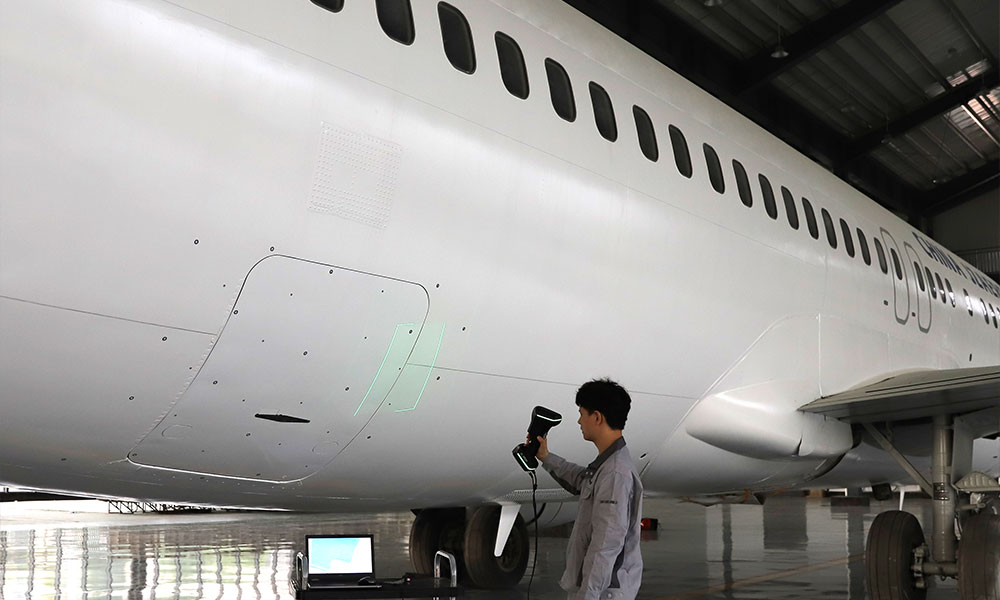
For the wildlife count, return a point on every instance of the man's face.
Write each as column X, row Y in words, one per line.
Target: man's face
column 588, row 423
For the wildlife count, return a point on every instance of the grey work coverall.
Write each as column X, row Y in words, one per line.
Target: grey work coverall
column 602, row 560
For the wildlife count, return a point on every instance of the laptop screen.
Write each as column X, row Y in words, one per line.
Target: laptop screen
column 340, row 558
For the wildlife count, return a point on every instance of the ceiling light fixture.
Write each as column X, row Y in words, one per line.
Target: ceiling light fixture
column 712, row 3
column 779, row 50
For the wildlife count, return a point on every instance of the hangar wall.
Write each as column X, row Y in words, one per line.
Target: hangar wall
column 972, row 230
column 973, row 225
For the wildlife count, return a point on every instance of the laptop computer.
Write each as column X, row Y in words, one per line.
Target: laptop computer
column 341, row 561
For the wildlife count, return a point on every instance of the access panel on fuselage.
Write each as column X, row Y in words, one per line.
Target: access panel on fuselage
column 307, row 355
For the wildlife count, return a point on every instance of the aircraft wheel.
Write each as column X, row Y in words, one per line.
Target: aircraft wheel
column 484, row 569
column 892, row 538
column 979, row 558
column 435, row 529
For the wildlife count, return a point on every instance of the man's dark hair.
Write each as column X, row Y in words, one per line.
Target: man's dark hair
column 606, row 397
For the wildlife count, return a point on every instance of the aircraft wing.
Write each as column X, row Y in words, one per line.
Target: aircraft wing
column 914, row 395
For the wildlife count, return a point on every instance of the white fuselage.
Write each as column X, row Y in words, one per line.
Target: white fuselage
column 216, row 210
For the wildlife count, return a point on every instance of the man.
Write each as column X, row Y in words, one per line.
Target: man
column 602, row 560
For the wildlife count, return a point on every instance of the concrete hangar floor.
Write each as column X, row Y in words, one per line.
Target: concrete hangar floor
column 791, row 548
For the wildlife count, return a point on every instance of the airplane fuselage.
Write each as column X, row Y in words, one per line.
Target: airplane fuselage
column 268, row 256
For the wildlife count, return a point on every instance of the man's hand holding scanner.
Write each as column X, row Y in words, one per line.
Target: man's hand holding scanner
column 543, row 449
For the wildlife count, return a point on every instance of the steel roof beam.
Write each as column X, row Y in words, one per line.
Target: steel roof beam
column 762, row 68
column 937, row 106
column 960, row 190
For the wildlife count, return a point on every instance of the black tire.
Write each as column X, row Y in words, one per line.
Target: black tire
column 892, row 538
column 435, row 529
column 979, row 558
column 484, row 569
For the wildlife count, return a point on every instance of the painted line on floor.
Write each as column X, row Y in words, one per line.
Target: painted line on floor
column 762, row 578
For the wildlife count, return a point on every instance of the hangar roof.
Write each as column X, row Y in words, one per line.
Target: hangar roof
column 900, row 98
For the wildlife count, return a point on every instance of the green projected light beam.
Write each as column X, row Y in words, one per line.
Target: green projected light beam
column 430, row 369
column 381, row 366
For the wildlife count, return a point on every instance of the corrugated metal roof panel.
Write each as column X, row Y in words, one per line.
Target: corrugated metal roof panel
column 955, row 152
column 745, row 27
column 812, row 89
column 893, row 86
column 922, row 152
column 938, row 37
column 887, row 37
column 983, row 16
column 897, row 156
column 964, row 118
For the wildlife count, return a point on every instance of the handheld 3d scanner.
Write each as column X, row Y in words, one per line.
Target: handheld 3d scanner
column 542, row 419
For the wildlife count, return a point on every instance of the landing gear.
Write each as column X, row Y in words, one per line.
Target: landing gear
column 892, row 539
column 436, row 529
column 979, row 558
column 882, row 491
column 484, row 569
column 900, row 564
column 471, row 537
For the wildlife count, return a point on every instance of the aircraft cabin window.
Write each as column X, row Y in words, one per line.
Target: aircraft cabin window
column 512, row 70
column 896, row 265
column 396, row 19
column 920, row 276
column 881, row 255
column 848, row 240
column 807, row 208
column 986, row 316
column 866, row 255
column 561, row 90
column 714, row 169
column 968, row 302
column 647, row 136
column 793, row 214
column 681, row 155
column 951, row 293
column 995, row 326
column 604, row 113
column 743, row 184
column 930, row 283
column 330, row 5
column 770, row 206
column 457, row 38
column 831, row 233
column 940, row 286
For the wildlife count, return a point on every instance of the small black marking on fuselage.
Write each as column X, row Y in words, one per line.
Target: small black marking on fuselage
column 280, row 418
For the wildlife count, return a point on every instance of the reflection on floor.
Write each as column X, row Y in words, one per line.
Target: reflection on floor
column 791, row 548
